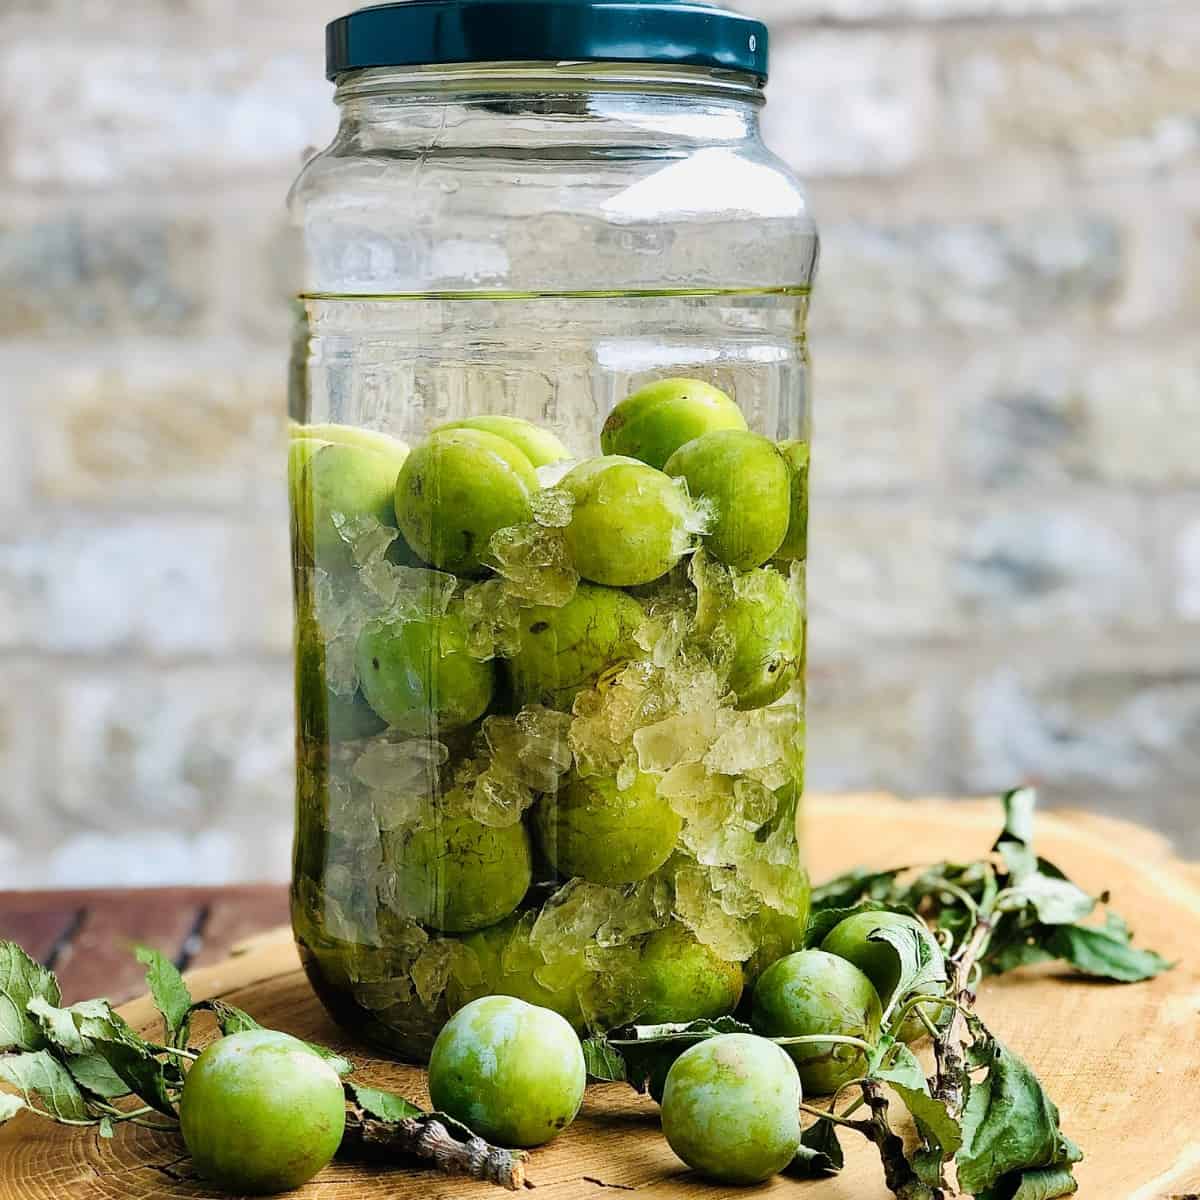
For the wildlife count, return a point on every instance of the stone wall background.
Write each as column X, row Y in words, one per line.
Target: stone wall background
column 1006, row 516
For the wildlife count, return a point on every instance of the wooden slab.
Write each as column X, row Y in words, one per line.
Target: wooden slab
column 1123, row 1063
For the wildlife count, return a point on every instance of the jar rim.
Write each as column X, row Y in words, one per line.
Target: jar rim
column 545, row 79
column 443, row 32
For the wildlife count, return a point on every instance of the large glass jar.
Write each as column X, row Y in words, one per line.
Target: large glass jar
column 548, row 473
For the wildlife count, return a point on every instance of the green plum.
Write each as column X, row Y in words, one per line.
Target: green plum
column 538, row 445
column 683, row 980
column 322, row 714
column 456, row 874
column 261, row 1112
column 760, row 623
column 630, row 523
column 508, row 962
column 747, row 482
column 511, row 1072
column 455, row 490
column 812, row 992
column 342, row 481
column 795, row 543
column 352, row 435
column 653, row 422
column 731, row 1108
column 417, row 675
column 851, row 940
column 563, row 650
column 605, row 834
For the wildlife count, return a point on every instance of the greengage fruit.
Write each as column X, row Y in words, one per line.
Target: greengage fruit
column 683, row 980
column 653, row 422
column 629, row 524
column 762, row 627
column 456, row 874
column 563, row 650
column 509, row 964
column 795, row 542
column 731, row 1108
column 812, row 992
column 323, row 714
column 511, row 1072
column 417, row 675
column 746, row 481
column 352, row 435
column 606, row 834
column 261, row 1112
column 455, row 490
column 851, row 939
column 539, row 445
column 340, row 481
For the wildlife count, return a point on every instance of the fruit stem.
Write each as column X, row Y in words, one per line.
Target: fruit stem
column 824, row 1039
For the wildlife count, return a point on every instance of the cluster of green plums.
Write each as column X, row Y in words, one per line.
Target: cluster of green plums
column 678, row 469
column 261, row 1112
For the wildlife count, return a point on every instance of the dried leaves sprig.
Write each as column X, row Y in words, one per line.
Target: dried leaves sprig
column 86, row 1066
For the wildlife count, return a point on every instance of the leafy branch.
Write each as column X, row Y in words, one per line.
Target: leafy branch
column 84, row 1066
column 983, row 1111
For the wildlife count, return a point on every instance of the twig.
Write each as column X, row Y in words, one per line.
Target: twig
column 428, row 1138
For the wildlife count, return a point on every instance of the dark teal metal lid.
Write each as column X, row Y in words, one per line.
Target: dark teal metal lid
column 418, row 32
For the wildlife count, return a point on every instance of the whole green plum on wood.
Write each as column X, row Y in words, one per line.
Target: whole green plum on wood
column 455, row 490
column 512, row 1072
column 261, row 1112
column 653, row 422
column 731, row 1108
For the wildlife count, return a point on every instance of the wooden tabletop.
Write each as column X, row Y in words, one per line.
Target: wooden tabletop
column 84, row 936
column 1123, row 1063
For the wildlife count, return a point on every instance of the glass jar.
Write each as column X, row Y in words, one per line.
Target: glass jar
column 548, row 474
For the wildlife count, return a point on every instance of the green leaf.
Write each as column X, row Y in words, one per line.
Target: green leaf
column 1015, row 843
column 1009, row 1124
column 170, row 993
column 823, row 921
column 920, row 964
column 231, row 1019
column 131, row 1058
column 604, row 1064
column 106, row 1127
column 383, row 1106
column 1056, row 901
column 933, row 1119
column 10, row 1106
column 21, row 979
column 846, row 890
column 649, row 1050
column 38, row 1075
column 93, row 1074
column 1105, row 952
column 820, row 1152
column 1048, row 1184
column 57, row 1025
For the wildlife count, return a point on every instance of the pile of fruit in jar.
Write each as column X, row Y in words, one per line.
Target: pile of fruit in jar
column 550, row 714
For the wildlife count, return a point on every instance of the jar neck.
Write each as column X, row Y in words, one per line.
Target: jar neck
column 473, row 103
